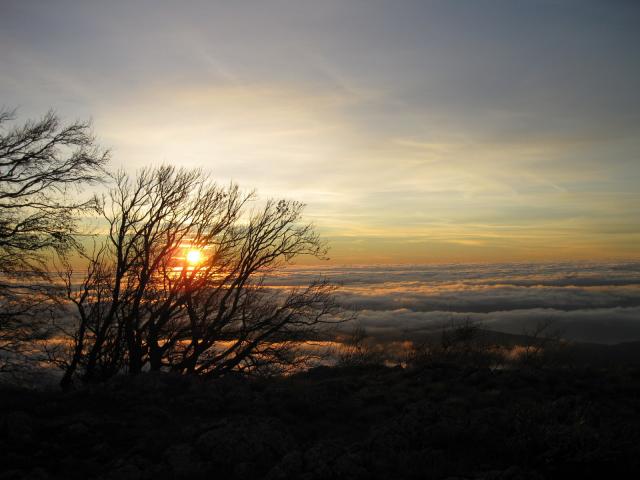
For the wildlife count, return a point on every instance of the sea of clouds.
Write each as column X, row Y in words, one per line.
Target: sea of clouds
column 587, row 302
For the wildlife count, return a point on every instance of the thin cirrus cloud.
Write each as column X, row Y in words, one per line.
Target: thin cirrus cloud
column 416, row 132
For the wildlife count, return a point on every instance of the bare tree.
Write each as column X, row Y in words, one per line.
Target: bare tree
column 355, row 350
column 41, row 162
column 144, row 305
column 459, row 342
column 543, row 341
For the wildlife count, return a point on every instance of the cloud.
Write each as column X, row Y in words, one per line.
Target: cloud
column 461, row 298
column 492, row 274
column 592, row 302
column 602, row 325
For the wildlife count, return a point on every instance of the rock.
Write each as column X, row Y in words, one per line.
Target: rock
column 78, row 431
column 289, row 466
column 151, row 443
column 37, row 474
column 18, row 427
column 183, row 461
column 101, row 450
column 319, row 459
column 244, row 470
column 12, row 474
column 350, row 466
column 258, row 443
column 128, row 471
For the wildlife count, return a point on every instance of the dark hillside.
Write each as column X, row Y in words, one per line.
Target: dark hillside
column 439, row 421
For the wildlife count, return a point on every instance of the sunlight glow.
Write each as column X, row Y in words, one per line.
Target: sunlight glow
column 194, row 257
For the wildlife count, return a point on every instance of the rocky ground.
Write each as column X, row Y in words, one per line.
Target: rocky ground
column 436, row 421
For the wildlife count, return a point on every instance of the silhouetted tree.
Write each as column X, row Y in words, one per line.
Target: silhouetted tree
column 143, row 306
column 41, row 162
column 356, row 351
column 542, row 343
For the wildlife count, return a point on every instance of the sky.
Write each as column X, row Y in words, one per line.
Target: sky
column 415, row 131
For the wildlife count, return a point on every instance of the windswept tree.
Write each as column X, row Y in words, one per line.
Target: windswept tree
column 43, row 164
column 179, row 283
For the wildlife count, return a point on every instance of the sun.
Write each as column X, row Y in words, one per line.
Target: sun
column 194, row 257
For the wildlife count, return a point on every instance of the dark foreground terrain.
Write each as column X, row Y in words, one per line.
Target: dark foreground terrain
column 439, row 421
